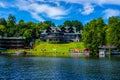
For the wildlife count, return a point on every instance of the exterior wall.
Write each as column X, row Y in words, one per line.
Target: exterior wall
column 64, row 38
column 12, row 43
column 71, row 37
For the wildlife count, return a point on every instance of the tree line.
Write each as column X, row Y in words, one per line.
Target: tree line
column 29, row 29
column 94, row 33
column 97, row 33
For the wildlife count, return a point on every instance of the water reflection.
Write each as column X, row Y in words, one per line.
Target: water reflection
column 59, row 68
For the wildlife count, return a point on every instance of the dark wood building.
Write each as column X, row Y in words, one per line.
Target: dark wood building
column 64, row 34
column 12, row 42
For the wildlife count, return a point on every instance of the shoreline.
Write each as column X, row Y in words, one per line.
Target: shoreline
column 48, row 49
column 53, row 56
column 41, row 55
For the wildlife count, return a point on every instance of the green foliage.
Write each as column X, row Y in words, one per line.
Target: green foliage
column 67, row 23
column 113, row 31
column 21, row 24
column 28, row 34
column 42, row 25
column 11, row 31
column 49, row 23
column 11, row 20
column 3, row 21
column 94, row 34
column 74, row 23
column 77, row 24
column 2, row 29
column 45, row 24
column 22, row 28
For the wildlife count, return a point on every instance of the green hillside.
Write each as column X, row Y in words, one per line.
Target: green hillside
column 49, row 49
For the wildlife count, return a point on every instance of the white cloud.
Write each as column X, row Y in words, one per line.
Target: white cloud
column 58, row 10
column 44, row 9
column 38, row 11
column 57, row 3
column 115, row 2
column 36, row 16
column 3, row 5
column 88, row 9
column 98, row 2
column 111, row 12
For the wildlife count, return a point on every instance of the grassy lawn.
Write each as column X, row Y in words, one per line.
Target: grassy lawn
column 59, row 50
column 50, row 50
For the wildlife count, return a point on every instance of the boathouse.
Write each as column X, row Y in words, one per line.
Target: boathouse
column 106, row 50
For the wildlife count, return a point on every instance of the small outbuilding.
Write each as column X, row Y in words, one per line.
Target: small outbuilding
column 106, row 50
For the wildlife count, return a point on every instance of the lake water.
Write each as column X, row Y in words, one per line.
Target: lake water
column 37, row 68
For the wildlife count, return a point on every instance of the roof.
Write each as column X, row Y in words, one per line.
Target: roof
column 2, row 48
column 107, row 47
column 59, row 30
column 86, row 49
column 12, row 38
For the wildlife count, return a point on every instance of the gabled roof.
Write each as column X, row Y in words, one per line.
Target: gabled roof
column 12, row 38
column 61, row 29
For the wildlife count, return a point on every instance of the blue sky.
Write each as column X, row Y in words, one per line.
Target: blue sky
column 60, row 10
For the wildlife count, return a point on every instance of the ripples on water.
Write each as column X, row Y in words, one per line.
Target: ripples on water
column 36, row 68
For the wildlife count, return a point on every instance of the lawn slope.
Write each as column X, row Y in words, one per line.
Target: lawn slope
column 49, row 49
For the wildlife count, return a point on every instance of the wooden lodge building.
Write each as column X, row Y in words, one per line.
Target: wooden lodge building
column 12, row 42
column 63, row 34
column 54, row 34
